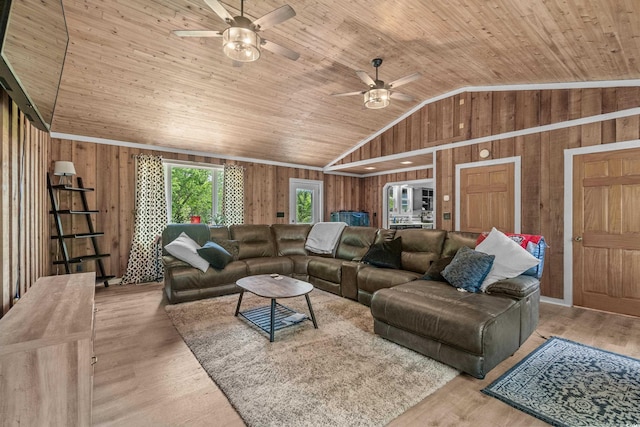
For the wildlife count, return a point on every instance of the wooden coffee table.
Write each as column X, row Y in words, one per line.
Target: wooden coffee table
column 273, row 286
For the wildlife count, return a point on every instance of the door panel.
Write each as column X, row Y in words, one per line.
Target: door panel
column 487, row 198
column 606, row 227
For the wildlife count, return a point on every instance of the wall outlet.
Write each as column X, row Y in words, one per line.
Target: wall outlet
column 279, row 214
column 446, row 216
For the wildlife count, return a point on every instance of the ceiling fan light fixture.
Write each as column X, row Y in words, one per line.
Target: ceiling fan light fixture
column 241, row 44
column 376, row 98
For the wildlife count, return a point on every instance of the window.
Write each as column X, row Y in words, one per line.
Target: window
column 305, row 204
column 304, row 199
column 194, row 193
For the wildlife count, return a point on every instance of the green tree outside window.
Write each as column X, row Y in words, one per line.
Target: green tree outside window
column 192, row 194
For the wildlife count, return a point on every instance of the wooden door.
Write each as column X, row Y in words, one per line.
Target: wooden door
column 487, row 198
column 606, row 231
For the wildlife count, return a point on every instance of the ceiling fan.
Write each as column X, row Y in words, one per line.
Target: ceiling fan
column 379, row 94
column 241, row 41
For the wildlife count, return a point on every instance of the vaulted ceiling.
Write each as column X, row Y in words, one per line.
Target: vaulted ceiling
column 126, row 77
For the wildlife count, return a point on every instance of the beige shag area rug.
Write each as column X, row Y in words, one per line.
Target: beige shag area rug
column 341, row 374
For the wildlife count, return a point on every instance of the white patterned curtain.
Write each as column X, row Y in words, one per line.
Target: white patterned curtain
column 233, row 195
column 145, row 263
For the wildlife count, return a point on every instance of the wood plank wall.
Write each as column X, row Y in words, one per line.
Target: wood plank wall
column 111, row 171
column 492, row 113
column 24, row 255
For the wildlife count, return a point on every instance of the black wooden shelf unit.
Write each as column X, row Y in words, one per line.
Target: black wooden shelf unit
column 91, row 234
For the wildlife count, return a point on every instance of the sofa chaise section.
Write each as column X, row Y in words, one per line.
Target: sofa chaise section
column 420, row 247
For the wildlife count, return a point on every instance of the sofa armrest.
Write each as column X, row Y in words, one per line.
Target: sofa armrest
column 349, row 285
column 517, row 287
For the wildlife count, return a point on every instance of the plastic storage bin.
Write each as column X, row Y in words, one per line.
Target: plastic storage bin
column 351, row 217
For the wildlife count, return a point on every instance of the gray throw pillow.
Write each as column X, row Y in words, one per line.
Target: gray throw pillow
column 468, row 269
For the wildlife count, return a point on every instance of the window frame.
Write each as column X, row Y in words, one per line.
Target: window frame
column 169, row 164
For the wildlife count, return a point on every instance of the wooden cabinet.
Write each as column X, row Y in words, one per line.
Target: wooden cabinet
column 46, row 354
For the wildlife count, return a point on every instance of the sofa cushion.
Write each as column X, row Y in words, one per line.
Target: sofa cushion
column 386, row 254
column 269, row 265
column 189, row 278
column 255, row 240
column 468, row 269
column 456, row 239
column 439, row 312
column 435, row 269
column 186, row 249
column 329, row 269
column 301, row 264
column 370, row 279
column 169, row 261
column 355, row 242
column 420, row 246
column 511, row 259
column 385, row 235
column 215, row 255
column 290, row 238
column 218, row 232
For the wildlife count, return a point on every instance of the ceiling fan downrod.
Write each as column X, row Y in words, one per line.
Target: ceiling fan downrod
column 376, row 62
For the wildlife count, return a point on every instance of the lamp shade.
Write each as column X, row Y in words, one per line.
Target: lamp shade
column 63, row 168
column 241, row 44
column 376, row 98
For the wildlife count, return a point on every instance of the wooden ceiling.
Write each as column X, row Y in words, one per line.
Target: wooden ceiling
column 127, row 77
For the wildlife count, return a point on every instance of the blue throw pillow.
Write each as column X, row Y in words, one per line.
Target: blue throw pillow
column 216, row 255
column 468, row 269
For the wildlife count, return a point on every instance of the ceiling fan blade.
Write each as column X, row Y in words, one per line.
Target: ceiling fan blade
column 220, row 11
column 365, row 78
column 348, row 93
column 401, row 96
column 274, row 17
column 404, row 80
column 280, row 50
column 197, row 33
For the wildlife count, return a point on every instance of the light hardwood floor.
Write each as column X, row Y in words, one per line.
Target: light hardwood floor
column 146, row 375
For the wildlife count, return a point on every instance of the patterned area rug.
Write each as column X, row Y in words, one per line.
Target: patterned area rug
column 566, row 383
column 341, row 374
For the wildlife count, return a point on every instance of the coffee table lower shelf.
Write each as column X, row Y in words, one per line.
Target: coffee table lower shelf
column 261, row 317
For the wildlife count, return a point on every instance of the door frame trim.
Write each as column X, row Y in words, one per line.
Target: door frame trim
column 569, row 153
column 517, row 184
column 320, row 183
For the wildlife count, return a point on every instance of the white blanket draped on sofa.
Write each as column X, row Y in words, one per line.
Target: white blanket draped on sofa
column 324, row 237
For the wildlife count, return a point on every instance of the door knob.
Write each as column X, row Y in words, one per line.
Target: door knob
column 578, row 239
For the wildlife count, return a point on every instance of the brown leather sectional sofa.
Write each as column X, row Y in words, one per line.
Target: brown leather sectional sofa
column 472, row 332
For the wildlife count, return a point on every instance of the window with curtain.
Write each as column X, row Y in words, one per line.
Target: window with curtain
column 194, row 193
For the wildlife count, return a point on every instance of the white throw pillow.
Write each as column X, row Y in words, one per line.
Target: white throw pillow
column 186, row 249
column 511, row 259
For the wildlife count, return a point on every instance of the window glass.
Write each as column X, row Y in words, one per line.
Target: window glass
column 304, row 203
column 194, row 194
